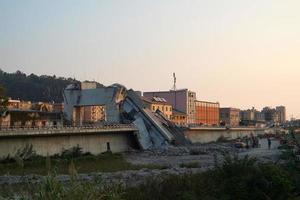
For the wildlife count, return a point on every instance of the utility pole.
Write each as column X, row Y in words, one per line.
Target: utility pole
column 174, row 88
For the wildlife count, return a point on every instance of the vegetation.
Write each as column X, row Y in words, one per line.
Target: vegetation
column 85, row 163
column 198, row 152
column 3, row 101
column 189, row 165
column 233, row 179
column 34, row 88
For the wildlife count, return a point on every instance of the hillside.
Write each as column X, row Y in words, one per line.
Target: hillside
column 34, row 88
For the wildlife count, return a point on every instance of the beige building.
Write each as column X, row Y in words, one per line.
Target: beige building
column 158, row 103
column 13, row 104
column 25, row 105
column 42, row 106
column 19, row 105
column 179, row 118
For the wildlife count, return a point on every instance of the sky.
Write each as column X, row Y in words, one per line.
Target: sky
column 242, row 54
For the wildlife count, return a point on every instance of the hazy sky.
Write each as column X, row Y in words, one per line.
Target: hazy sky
column 240, row 53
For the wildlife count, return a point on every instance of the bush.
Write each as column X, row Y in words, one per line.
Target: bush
column 234, row 179
column 189, row 165
column 197, row 152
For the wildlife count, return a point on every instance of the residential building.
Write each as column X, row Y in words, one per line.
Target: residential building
column 207, row 113
column 179, row 118
column 25, row 105
column 18, row 104
column 281, row 111
column 259, row 116
column 271, row 116
column 248, row 115
column 252, row 117
column 230, row 116
column 13, row 104
column 159, row 103
column 182, row 100
column 42, row 106
column 30, row 118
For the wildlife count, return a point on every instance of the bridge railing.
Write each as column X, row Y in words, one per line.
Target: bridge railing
column 37, row 128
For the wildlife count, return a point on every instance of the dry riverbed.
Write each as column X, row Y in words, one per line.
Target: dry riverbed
column 174, row 161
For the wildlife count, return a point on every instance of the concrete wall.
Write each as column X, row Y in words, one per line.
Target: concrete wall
column 43, row 145
column 212, row 135
column 108, row 97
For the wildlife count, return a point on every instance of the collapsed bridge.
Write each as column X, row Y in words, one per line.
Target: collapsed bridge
column 119, row 105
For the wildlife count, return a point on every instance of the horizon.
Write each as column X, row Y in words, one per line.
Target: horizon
column 27, row 74
column 240, row 54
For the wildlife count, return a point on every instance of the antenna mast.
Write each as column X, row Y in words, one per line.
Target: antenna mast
column 174, row 83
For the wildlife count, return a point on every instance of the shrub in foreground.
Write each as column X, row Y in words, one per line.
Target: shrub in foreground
column 233, row 179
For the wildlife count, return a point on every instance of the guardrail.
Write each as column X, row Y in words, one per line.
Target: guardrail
column 46, row 128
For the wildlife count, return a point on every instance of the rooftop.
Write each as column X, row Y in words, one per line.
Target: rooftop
column 157, row 100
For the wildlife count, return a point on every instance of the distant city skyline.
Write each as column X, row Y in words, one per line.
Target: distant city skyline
column 242, row 54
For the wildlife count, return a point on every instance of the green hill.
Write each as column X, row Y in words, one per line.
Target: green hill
column 34, row 88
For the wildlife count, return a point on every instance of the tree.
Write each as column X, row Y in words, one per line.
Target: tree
column 34, row 88
column 3, row 101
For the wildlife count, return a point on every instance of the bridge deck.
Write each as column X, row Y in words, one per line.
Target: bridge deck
column 65, row 130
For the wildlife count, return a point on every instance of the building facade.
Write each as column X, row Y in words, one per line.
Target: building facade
column 271, row 116
column 248, row 115
column 230, row 116
column 281, row 112
column 179, row 118
column 182, row 100
column 207, row 113
column 13, row 104
column 158, row 103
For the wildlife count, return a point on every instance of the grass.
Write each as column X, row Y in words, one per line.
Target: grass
column 197, row 152
column 189, row 165
column 106, row 162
